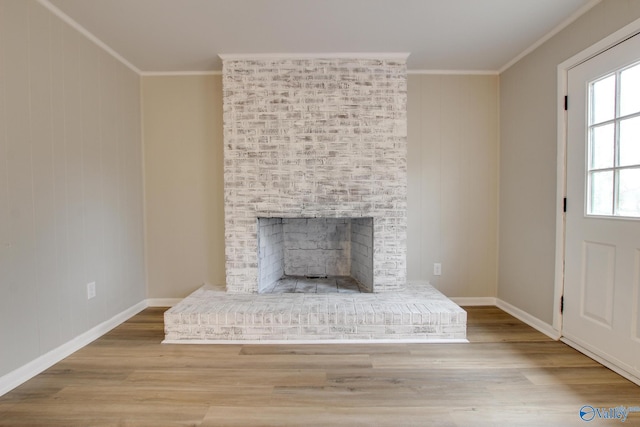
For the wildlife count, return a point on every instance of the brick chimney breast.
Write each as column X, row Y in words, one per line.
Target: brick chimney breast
column 315, row 137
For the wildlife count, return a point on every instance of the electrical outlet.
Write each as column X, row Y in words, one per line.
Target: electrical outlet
column 91, row 290
column 437, row 269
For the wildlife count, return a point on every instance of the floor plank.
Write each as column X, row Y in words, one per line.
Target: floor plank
column 509, row 374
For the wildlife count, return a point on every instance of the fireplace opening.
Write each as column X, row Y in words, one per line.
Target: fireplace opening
column 315, row 255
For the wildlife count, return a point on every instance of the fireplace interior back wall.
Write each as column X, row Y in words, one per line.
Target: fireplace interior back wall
column 315, row 248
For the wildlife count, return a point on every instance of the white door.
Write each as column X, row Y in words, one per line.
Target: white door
column 602, row 246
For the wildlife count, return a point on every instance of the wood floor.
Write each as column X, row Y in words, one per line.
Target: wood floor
column 508, row 375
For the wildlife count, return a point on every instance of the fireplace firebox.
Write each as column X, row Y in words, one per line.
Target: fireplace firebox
column 315, row 248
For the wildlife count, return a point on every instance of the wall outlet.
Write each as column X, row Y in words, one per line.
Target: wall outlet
column 91, row 290
column 437, row 269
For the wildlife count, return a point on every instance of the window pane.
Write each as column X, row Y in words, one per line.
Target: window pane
column 630, row 90
column 603, row 99
column 629, row 192
column 601, row 200
column 629, row 142
column 602, row 143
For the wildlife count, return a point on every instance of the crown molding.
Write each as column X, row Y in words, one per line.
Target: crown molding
column 180, row 73
column 410, row 72
column 454, row 72
column 73, row 24
column 577, row 14
column 339, row 55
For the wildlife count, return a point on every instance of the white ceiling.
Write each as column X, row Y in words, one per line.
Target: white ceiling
column 187, row 35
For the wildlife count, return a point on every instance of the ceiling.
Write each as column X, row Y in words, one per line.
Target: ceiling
column 187, row 35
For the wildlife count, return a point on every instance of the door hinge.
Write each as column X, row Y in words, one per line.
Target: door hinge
column 566, row 102
column 564, row 205
column 562, row 304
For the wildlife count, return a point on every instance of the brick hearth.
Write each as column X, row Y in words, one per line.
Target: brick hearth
column 419, row 313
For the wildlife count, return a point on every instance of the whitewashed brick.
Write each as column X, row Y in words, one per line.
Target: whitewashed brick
column 314, row 138
column 417, row 312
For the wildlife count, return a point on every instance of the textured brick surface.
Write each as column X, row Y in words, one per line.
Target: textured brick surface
column 271, row 251
column 362, row 251
column 317, row 246
column 315, row 138
column 416, row 313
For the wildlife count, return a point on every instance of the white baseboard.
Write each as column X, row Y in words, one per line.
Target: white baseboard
column 24, row 373
column 616, row 366
column 530, row 320
column 474, row 301
column 13, row 379
column 468, row 301
column 548, row 330
column 163, row 302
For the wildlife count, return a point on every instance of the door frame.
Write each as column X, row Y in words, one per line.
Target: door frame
column 608, row 42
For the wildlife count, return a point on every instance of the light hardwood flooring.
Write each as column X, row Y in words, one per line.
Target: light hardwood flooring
column 508, row 375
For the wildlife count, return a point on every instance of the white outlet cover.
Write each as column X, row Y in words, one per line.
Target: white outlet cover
column 437, row 269
column 91, row 290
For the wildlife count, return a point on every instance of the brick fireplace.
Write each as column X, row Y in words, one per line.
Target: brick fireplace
column 315, row 185
column 314, row 139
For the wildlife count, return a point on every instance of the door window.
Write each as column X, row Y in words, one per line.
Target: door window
column 613, row 172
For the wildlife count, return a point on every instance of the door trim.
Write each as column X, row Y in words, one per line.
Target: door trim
column 561, row 169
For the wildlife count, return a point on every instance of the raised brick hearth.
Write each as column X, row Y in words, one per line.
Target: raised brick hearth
column 415, row 314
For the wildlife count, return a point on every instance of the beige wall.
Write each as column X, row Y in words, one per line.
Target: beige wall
column 453, row 182
column 528, row 105
column 70, row 184
column 182, row 118
column 453, row 147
